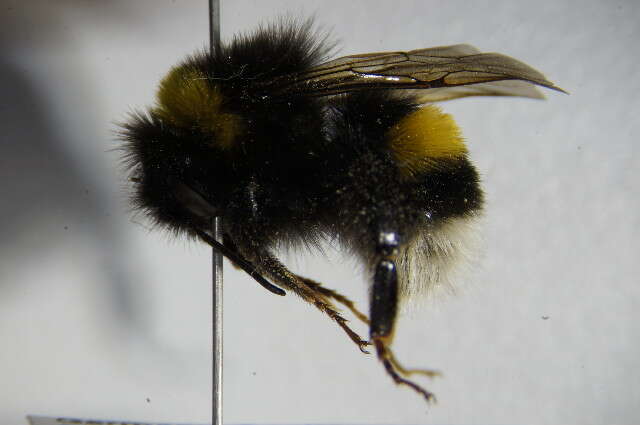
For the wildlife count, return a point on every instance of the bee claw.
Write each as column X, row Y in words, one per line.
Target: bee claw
column 363, row 344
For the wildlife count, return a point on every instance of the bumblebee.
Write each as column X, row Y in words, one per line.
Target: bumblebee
column 292, row 150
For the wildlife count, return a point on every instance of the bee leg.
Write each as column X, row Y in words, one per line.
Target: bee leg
column 384, row 302
column 239, row 261
column 408, row 372
column 277, row 271
column 330, row 293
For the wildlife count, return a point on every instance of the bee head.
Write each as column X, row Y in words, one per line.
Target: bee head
column 172, row 169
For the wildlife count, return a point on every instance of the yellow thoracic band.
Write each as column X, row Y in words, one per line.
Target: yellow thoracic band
column 187, row 100
column 423, row 139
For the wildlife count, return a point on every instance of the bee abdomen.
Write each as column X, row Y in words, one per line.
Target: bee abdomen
column 424, row 140
column 439, row 256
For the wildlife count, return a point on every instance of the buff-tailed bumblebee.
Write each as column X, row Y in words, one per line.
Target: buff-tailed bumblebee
column 289, row 149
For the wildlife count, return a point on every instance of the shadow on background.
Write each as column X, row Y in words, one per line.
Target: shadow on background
column 47, row 194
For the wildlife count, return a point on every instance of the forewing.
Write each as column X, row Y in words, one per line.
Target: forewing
column 444, row 69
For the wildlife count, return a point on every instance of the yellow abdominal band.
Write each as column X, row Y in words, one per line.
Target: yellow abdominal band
column 424, row 140
column 186, row 99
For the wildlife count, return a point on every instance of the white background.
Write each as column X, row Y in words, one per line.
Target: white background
column 102, row 318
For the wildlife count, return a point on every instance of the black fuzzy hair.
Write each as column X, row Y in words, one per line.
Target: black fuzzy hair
column 279, row 48
column 273, row 133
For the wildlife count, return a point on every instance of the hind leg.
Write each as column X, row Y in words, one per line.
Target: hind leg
column 329, row 293
column 384, row 301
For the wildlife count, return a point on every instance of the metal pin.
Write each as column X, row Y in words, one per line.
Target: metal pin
column 214, row 25
column 216, row 402
column 216, row 232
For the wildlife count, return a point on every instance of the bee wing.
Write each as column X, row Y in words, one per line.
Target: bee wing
column 516, row 88
column 444, row 69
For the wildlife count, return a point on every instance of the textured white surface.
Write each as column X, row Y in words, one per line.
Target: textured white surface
column 101, row 318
